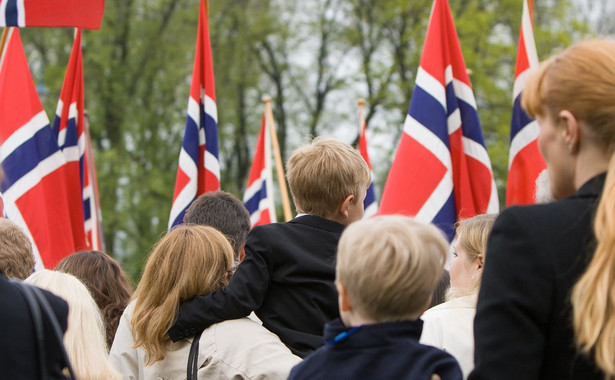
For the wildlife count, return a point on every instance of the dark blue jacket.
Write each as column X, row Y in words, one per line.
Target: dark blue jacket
column 380, row 351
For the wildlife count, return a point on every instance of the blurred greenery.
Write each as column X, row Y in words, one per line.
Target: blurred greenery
column 314, row 58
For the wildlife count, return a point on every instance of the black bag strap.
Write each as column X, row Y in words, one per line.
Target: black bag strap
column 193, row 358
column 39, row 330
column 37, row 301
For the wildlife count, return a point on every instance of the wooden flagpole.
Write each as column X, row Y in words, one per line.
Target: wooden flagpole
column 5, row 34
column 278, row 159
column 361, row 103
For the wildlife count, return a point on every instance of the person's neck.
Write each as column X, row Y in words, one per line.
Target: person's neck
column 589, row 165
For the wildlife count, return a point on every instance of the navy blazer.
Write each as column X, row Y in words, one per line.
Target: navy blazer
column 18, row 349
column 377, row 351
column 535, row 255
column 287, row 278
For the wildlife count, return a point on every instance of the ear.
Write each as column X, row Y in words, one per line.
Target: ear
column 242, row 253
column 480, row 261
column 571, row 130
column 344, row 302
column 343, row 210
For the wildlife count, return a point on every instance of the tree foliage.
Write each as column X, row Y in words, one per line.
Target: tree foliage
column 313, row 58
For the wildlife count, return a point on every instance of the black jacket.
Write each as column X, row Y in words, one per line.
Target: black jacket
column 287, row 278
column 378, row 351
column 18, row 350
column 535, row 255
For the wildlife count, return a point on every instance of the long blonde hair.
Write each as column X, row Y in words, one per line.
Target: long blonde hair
column 85, row 337
column 593, row 299
column 189, row 261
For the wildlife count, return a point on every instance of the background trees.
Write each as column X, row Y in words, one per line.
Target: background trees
column 315, row 58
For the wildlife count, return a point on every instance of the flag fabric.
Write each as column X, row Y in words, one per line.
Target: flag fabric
column 524, row 161
column 441, row 171
column 69, row 127
column 34, row 185
column 370, row 204
column 71, row 13
column 199, row 169
column 258, row 197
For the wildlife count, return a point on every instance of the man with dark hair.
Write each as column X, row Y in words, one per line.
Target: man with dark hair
column 224, row 212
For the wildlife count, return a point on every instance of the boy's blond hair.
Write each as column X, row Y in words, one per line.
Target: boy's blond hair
column 390, row 266
column 323, row 173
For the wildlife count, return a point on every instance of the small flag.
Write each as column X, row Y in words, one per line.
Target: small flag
column 70, row 13
column 34, row 184
column 370, row 204
column 525, row 161
column 199, row 169
column 258, row 197
column 69, row 126
column 441, row 171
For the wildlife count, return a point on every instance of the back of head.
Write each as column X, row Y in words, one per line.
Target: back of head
column 106, row 281
column 323, row 173
column 581, row 80
column 16, row 258
column 390, row 265
column 84, row 338
column 188, row 261
column 224, row 212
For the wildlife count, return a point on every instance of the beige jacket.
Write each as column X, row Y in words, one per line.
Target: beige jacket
column 235, row 349
column 450, row 326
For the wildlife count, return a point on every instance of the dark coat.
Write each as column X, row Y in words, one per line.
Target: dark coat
column 18, row 350
column 535, row 255
column 379, row 351
column 287, row 278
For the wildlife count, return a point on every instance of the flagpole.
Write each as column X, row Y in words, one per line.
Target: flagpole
column 5, row 33
column 361, row 103
column 278, row 159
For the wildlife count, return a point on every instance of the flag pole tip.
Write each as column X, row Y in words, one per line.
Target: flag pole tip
column 361, row 101
column 266, row 98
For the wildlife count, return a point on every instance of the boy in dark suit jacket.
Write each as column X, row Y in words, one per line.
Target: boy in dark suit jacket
column 287, row 276
column 387, row 269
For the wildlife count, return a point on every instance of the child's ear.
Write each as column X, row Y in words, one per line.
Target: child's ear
column 344, row 302
column 345, row 205
column 480, row 261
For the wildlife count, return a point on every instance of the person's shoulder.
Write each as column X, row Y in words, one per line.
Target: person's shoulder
column 311, row 367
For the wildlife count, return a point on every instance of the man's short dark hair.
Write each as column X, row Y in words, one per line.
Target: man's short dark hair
column 224, row 212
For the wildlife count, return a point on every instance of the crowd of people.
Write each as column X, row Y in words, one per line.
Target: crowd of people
column 330, row 295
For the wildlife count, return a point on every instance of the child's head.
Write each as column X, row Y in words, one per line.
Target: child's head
column 388, row 267
column 328, row 178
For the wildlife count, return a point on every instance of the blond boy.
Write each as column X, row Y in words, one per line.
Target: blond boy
column 287, row 277
column 387, row 269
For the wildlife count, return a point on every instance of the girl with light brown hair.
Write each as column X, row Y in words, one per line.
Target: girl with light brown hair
column 190, row 261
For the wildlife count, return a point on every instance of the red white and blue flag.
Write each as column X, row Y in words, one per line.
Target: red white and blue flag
column 76, row 13
column 70, row 128
column 35, row 172
column 525, row 161
column 441, row 171
column 199, row 169
column 258, row 197
column 370, row 204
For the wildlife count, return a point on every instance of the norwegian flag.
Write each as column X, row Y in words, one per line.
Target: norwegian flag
column 525, row 161
column 370, row 204
column 70, row 128
column 35, row 172
column 441, row 171
column 76, row 13
column 199, row 169
column 258, row 197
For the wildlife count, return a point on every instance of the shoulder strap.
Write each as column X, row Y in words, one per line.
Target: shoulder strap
column 39, row 331
column 193, row 358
